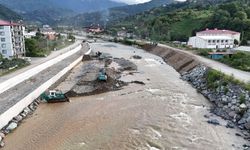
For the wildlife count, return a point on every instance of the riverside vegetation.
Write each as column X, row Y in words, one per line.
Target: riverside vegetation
column 9, row 65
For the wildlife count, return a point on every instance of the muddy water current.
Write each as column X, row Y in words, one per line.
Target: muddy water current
column 164, row 114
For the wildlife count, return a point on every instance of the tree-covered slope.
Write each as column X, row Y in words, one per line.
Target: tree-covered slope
column 180, row 21
column 7, row 14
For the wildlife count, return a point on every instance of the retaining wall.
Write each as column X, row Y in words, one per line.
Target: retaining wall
column 18, row 107
column 27, row 74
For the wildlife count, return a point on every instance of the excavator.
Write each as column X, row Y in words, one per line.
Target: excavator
column 54, row 96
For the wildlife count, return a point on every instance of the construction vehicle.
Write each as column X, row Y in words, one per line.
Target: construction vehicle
column 102, row 76
column 54, row 96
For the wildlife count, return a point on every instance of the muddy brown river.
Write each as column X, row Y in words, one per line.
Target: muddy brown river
column 164, row 114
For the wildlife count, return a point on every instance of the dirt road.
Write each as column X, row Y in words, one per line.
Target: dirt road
column 164, row 114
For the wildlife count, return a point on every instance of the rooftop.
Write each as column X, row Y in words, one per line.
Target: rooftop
column 216, row 31
column 220, row 53
column 215, row 37
column 7, row 23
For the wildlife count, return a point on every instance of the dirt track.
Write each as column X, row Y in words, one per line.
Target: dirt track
column 166, row 113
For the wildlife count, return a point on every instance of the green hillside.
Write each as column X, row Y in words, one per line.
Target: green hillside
column 180, row 21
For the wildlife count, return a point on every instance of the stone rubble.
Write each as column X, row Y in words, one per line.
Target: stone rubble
column 15, row 122
column 226, row 98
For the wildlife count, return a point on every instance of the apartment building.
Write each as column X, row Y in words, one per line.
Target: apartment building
column 12, row 44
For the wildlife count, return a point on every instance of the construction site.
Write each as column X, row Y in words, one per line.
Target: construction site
column 120, row 97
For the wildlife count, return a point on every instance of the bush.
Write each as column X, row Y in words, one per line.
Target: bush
column 239, row 60
column 216, row 78
column 204, row 52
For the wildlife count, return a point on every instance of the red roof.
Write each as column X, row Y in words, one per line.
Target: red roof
column 7, row 23
column 216, row 31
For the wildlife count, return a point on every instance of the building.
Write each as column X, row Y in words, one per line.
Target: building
column 48, row 32
column 29, row 35
column 214, row 39
column 12, row 42
column 94, row 29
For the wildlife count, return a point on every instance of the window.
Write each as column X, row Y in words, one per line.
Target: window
column 209, row 41
column 2, row 33
column 1, row 27
column 213, row 41
column 3, row 45
column 4, row 51
column 222, row 41
column 2, row 39
column 226, row 41
column 218, row 41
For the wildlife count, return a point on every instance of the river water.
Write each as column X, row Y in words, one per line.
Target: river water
column 164, row 114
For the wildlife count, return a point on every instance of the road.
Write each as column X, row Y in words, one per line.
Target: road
column 164, row 114
column 37, row 61
column 238, row 74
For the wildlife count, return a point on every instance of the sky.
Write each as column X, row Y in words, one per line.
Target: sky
column 132, row 1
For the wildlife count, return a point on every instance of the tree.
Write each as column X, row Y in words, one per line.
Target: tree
column 1, row 57
column 232, row 8
column 31, row 47
column 71, row 37
column 241, row 15
column 236, row 42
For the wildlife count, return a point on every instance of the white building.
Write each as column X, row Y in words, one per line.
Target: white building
column 11, row 39
column 29, row 35
column 214, row 39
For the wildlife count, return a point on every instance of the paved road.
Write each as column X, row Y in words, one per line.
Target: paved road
column 37, row 61
column 238, row 74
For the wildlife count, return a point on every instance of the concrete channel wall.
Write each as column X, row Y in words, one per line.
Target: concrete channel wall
column 19, row 107
column 26, row 75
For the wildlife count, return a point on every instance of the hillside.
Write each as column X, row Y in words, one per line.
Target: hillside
column 7, row 14
column 74, row 5
column 180, row 21
column 50, row 11
column 102, row 17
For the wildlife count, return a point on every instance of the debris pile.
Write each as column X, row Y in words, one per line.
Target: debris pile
column 89, row 84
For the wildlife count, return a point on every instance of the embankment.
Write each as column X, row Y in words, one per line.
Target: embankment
column 230, row 97
column 178, row 60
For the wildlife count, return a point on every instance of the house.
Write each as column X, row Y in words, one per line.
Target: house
column 48, row 32
column 214, row 39
column 94, row 29
column 121, row 33
column 12, row 44
column 125, row 34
